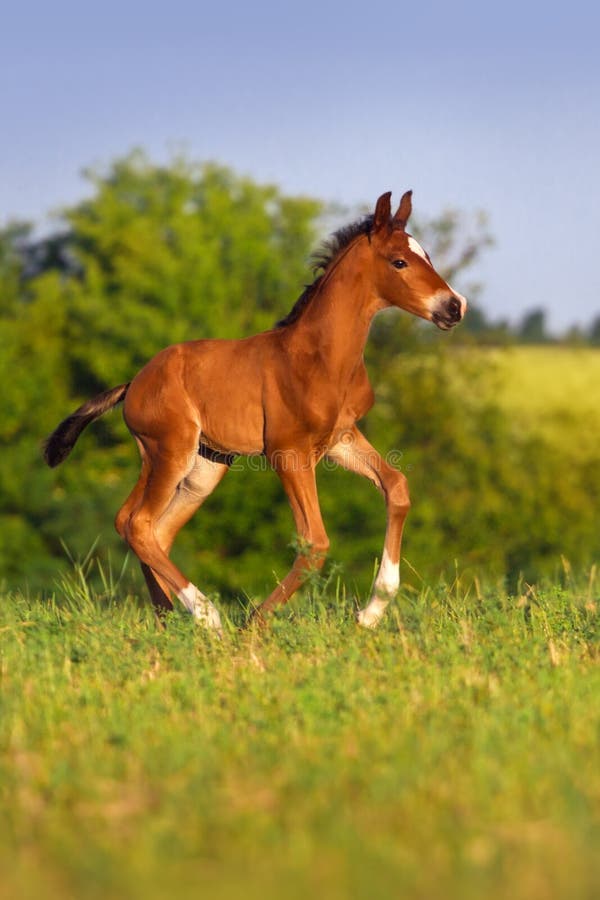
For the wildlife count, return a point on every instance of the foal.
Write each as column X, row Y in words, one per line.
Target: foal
column 292, row 394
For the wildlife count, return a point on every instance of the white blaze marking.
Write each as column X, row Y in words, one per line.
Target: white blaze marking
column 200, row 607
column 416, row 248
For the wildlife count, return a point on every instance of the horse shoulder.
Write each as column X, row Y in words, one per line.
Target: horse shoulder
column 360, row 396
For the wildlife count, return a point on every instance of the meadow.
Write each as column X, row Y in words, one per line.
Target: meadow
column 454, row 753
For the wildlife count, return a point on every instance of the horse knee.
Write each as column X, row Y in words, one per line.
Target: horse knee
column 127, row 528
column 138, row 535
column 398, row 496
column 324, row 548
column 312, row 554
column 318, row 552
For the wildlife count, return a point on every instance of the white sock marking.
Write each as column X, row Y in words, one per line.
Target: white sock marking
column 200, row 607
column 371, row 615
column 386, row 585
column 388, row 576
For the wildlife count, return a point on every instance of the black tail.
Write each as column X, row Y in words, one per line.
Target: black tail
column 62, row 440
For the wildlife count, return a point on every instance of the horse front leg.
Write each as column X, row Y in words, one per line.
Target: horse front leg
column 356, row 454
column 297, row 475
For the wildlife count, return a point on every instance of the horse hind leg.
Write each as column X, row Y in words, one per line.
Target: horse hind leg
column 189, row 496
column 173, row 484
column 159, row 592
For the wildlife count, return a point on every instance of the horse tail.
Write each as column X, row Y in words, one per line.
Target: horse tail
column 62, row 440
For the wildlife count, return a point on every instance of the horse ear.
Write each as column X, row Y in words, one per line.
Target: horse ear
column 383, row 211
column 403, row 212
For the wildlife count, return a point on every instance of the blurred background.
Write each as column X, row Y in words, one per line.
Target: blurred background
column 165, row 174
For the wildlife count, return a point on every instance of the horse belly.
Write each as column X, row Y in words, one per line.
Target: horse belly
column 227, row 388
column 233, row 422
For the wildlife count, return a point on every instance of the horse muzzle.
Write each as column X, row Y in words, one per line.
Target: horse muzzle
column 449, row 311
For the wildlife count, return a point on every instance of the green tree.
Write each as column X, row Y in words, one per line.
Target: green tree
column 171, row 253
column 594, row 332
column 533, row 327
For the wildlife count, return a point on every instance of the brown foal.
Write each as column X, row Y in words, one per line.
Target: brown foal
column 292, row 394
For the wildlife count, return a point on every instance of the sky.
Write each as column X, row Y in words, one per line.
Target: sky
column 474, row 106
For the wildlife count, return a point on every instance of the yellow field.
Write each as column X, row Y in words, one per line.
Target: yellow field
column 555, row 390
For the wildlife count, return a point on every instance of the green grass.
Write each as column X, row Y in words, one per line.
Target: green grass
column 455, row 753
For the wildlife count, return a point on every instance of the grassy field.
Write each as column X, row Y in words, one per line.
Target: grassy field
column 453, row 754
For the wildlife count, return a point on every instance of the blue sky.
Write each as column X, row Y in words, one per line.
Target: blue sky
column 475, row 106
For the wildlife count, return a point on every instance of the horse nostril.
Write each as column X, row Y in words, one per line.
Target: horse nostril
column 453, row 309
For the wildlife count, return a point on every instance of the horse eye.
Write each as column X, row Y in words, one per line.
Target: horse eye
column 399, row 264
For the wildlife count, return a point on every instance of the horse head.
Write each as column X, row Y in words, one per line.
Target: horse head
column 404, row 275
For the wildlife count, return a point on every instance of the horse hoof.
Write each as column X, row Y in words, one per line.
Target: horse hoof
column 369, row 617
column 257, row 620
column 208, row 616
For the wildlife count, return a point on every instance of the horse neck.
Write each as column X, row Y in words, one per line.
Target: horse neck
column 336, row 321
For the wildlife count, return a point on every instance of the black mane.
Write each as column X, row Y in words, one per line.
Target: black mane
column 322, row 258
